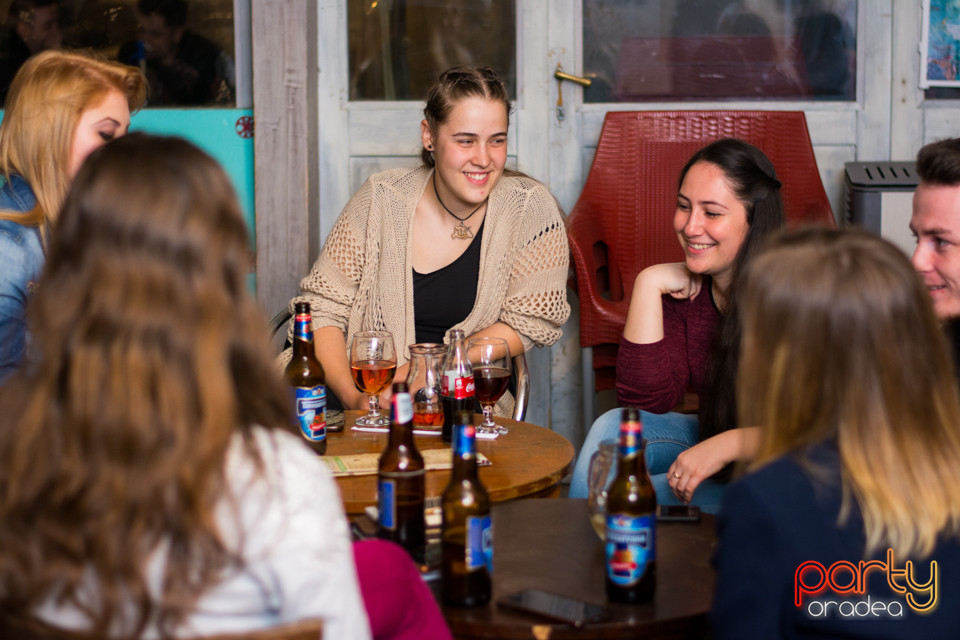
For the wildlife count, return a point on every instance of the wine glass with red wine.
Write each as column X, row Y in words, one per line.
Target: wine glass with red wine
column 373, row 361
column 491, row 375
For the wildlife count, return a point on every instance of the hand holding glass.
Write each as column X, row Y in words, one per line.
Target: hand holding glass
column 373, row 361
column 491, row 375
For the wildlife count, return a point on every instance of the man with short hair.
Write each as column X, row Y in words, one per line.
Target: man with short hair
column 32, row 26
column 936, row 225
column 182, row 67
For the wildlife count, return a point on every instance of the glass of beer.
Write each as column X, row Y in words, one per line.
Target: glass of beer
column 491, row 375
column 601, row 472
column 373, row 361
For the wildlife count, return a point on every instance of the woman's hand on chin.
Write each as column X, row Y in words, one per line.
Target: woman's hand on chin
column 673, row 278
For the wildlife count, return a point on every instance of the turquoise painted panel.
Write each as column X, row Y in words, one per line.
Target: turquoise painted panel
column 226, row 134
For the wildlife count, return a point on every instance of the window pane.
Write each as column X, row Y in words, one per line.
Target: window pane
column 657, row 50
column 399, row 47
column 188, row 62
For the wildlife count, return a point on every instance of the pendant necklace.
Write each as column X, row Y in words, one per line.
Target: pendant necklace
column 461, row 231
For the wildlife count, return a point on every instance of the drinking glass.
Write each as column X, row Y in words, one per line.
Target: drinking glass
column 373, row 361
column 602, row 467
column 491, row 375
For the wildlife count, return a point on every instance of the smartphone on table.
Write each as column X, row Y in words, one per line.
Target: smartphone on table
column 554, row 606
column 678, row 513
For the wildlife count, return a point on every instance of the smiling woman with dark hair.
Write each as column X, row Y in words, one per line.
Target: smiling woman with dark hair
column 683, row 329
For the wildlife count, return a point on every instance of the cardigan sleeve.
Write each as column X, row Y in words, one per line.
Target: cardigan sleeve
column 331, row 286
column 536, row 305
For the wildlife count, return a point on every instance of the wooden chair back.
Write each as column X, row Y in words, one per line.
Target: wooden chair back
column 18, row 629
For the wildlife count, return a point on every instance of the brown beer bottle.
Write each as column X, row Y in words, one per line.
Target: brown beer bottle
column 467, row 531
column 305, row 375
column 400, row 480
column 631, row 565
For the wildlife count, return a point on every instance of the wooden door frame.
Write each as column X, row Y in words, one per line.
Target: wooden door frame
column 285, row 62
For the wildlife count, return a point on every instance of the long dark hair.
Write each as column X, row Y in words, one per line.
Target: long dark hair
column 753, row 180
column 149, row 357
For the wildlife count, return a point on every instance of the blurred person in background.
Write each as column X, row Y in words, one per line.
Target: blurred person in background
column 853, row 497
column 935, row 224
column 148, row 485
column 32, row 26
column 182, row 67
column 61, row 106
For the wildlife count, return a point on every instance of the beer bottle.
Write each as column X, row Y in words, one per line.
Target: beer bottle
column 400, row 480
column 305, row 375
column 631, row 520
column 467, row 532
column 457, row 390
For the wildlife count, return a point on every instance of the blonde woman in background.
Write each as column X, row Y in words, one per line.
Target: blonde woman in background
column 61, row 106
column 846, row 370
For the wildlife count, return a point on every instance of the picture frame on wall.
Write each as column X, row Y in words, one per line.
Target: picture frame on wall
column 940, row 44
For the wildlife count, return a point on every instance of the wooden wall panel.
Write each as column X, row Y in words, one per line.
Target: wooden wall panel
column 285, row 143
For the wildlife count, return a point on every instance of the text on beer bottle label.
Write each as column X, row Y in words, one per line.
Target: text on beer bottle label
column 311, row 403
column 387, row 504
column 629, row 547
column 479, row 546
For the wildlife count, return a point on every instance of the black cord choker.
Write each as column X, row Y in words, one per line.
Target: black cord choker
column 461, row 231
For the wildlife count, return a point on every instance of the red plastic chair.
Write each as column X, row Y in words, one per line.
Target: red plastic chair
column 623, row 220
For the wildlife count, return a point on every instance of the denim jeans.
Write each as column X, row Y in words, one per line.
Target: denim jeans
column 665, row 437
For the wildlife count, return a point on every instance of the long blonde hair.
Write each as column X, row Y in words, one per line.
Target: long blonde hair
column 46, row 100
column 841, row 344
column 150, row 358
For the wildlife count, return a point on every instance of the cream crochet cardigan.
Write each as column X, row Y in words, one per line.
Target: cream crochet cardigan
column 363, row 278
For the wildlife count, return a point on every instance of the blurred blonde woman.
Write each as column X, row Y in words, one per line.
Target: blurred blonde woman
column 61, row 106
column 846, row 370
column 148, row 488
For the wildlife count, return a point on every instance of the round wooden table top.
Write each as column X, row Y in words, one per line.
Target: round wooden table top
column 528, row 461
column 550, row 545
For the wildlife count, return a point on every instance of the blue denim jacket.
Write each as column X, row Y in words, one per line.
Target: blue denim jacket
column 21, row 261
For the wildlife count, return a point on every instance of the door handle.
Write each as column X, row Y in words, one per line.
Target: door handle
column 560, row 75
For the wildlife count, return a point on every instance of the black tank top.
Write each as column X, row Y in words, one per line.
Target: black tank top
column 444, row 297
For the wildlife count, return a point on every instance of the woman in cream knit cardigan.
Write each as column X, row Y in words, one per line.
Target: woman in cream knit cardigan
column 456, row 243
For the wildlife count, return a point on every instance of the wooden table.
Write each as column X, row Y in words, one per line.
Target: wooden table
column 549, row 544
column 529, row 461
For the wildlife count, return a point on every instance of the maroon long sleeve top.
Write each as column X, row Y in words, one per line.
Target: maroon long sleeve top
column 655, row 376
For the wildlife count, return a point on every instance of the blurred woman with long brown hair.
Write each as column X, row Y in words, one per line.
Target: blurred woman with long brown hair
column 146, row 486
column 61, row 106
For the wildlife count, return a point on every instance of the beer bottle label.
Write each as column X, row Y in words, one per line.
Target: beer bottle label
column 458, row 387
column 629, row 443
column 479, row 546
column 402, row 407
column 312, row 412
column 629, row 547
column 387, row 503
column 465, row 440
column 302, row 329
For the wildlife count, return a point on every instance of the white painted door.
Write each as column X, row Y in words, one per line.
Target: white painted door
column 358, row 138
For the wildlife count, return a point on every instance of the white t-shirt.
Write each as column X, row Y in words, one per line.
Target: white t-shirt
column 290, row 525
